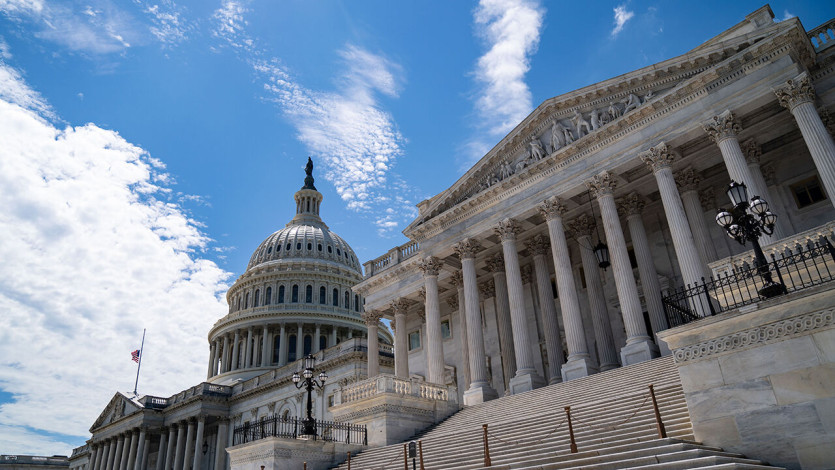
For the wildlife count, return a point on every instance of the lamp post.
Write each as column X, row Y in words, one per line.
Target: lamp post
column 305, row 379
column 746, row 222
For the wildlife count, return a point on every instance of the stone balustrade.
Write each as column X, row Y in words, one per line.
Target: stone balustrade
column 394, row 256
column 823, row 36
column 385, row 383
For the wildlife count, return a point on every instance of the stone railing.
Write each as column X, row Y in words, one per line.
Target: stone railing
column 204, row 388
column 725, row 266
column 394, row 256
column 823, row 36
column 386, row 383
column 79, row 451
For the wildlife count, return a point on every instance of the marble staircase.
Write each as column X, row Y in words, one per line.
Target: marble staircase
column 612, row 418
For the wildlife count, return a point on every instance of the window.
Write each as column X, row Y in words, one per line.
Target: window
column 414, row 340
column 335, row 298
column 807, row 192
column 295, row 297
column 291, row 348
column 330, row 250
column 257, row 297
column 320, row 247
column 323, row 342
column 338, row 252
column 286, row 414
column 281, row 294
column 308, row 294
column 268, row 296
column 310, row 246
column 347, row 299
column 238, row 306
column 299, row 246
column 308, row 344
column 276, row 348
column 269, row 250
column 277, row 248
column 446, row 332
column 356, row 302
column 246, row 302
column 330, row 401
column 288, row 246
column 323, row 294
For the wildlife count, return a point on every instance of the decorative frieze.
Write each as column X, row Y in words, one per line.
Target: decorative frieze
column 631, row 204
column 658, row 157
column 602, row 183
column 495, row 263
column 430, row 266
column 553, row 207
column 538, row 245
column 507, row 229
column 752, row 150
column 722, row 126
column 467, row 248
column 796, row 91
column 688, row 180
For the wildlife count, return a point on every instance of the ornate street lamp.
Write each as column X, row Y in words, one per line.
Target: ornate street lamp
column 305, row 379
column 746, row 222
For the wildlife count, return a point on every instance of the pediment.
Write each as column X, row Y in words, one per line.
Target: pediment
column 120, row 406
column 563, row 125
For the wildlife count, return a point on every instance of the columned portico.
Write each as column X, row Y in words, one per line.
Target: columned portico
column 401, row 339
column 495, row 264
column 431, row 267
column 538, row 247
column 162, row 449
column 639, row 347
column 140, row 448
column 526, row 377
column 457, row 279
column 198, row 440
column 372, row 319
column 480, row 390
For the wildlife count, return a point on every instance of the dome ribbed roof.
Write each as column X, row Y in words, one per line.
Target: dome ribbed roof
column 305, row 242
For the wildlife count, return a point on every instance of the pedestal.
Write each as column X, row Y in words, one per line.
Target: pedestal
column 525, row 383
column 638, row 352
column 479, row 394
column 577, row 368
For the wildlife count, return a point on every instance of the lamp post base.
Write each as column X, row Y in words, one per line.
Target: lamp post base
column 772, row 289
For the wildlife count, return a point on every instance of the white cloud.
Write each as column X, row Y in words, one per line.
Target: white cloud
column 170, row 25
column 511, row 30
column 786, row 16
column 93, row 252
column 622, row 15
column 346, row 129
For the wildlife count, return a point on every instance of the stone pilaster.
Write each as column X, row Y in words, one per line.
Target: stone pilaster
column 639, row 347
column 372, row 320
column 431, row 267
column 401, row 339
column 538, row 247
column 479, row 391
column 495, row 264
column 526, row 377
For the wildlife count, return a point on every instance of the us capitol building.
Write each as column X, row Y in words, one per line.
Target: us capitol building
column 583, row 245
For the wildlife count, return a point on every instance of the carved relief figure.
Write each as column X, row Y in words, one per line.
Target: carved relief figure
column 556, row 136
column 632, row 102
column 537, row 152
column 566, row 132
column 649, row 96
column 506, row 170
column 614, row 111
column 604, row 117
column 580, row 123
column 595, row 120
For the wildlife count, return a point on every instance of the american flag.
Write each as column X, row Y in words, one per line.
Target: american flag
column 135, row 356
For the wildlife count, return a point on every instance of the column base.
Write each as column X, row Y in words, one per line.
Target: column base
column 605, row 367
column 525, row 382
column 638, row 352
column 477, row 394
column 576, row 368
column 557, row 379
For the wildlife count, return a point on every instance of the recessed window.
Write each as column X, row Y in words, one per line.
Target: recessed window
column 295, row 297
column 322, row 295
column 446, row 332
column 308, row 294
column 310, row 246
column 807, row 192
column 298, row 246
column 320, row 247
column 289, row 246
column 335, row 297
column 268, row 296
column 414, row 340
column 277, row 248
column 330, row 250
column 338, row 252
column 269, row 250
column 330, row 401
column 281, row 294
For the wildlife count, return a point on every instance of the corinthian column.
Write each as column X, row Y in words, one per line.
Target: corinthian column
column 134, row 443
column 220, row 444
column 140, row 450
column 639, row 347
column 372, row 318
column 234, row 362
column 163, row 441
column 248, row 349
column 225, row 362
column 181, row 446
column 198, row 440
column 659, row 159
column 401, row 339
column 526, row 377
column 431, row 266
column 688, row 182
column 495, row 265
column 457, row 279
column 538, row 247
column 579, row 363
column 479, row 391
column 212, row 356
column 187, row 456
column 753, row 155
column 265, row 347
column 631, row 206
column 798, row 95
column 170, row 448
column 723, row 129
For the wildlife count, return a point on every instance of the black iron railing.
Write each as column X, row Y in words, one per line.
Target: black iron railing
column 795, row 269
column 291, row 428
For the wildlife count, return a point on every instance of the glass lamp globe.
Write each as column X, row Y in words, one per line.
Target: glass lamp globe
column 296, row 377
column 601, row 251
column 769, row 218
column 734, row 230
column 307, row 373
column 738, row 193
column 724, row 218
column 309, row 361
column 322, row 377
column 758, row 205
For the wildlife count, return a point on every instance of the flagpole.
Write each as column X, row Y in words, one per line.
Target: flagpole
column 139, row 365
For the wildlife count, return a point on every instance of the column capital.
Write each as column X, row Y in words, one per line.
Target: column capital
column 582, row 226
column 797, row 90
column 752, row 150
column 467, row 248
column 723, row 126
column 631, row 204
column 769, row 173
column 371, row 317
column 707, row 198
column 527, row 274
column 422, row 293
column 688, row 179
column 452, row 301
column 602, row 184
column 430, row 266
column 828, row 121
column 507, row 229
column 553, row 208
column 457, row 278
column 495, row 263
column 399, row 306
column 538, row 245
column 657, row 157
column 487, row 289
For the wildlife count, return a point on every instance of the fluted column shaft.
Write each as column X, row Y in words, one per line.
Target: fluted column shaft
column 145, row 452
column 434, row 338
column 373, row 349
column 134, row 444
column 225, row 354
column 300, row 342
column 187, row 454
column 198, row 439
column 234, row 365
column 504, row 323
column 521, row 338
column 123, row 457
column 248, row 350
column 464, row 336
column 478, row 362
column 698, row 226
column 212, row 356
column 266, row 350
column 170, row 448
column 553, row 344
column 220, row 455
column 110, row 451
column 283, row 345
column 647, row 272
column 140, row 449
column 819, row 143
column 161, row 451
column 597, row 305
column 181, row 446
column 401, row 345
column 94, row 454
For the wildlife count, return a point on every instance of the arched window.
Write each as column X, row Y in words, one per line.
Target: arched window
column 238, row 306
column 281, row 294
column 295, row 297
column 330, row 250
column 335, row 298
column 308, row 294
column 320, row 247
column 347, row 300
column 308, row 344
column 356, row 302
column 257, row 297
column 309, row 246
column 246, row 302
column 322, row 295
column 291, row 348
column 268, row 297
column 286, row 414
column 276, row 348
column 299, row 245
column 323, row 342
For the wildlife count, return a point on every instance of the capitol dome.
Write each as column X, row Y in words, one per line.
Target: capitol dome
column 294, row 298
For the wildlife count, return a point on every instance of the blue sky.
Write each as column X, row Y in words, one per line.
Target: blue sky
column 146, row 147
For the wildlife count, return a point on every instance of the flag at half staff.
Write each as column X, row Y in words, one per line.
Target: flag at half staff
column 135, row 355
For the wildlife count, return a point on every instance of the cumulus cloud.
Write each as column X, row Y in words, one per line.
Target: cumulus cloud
column 510, row 29
column 346, row 129
column 622, row 15
column 95, row 248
